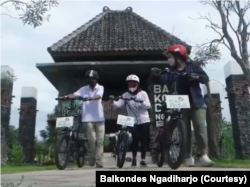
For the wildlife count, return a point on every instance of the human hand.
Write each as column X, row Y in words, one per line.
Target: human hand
column 193, row 77
column 155, row 71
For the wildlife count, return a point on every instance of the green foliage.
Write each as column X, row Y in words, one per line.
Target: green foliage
column 7, row 78
column 106, row 142
column 17, row 155
column 228, row 139
column 13, row 132
column 32, row 13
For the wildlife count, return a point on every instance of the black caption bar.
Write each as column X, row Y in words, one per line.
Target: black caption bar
column 163, row 177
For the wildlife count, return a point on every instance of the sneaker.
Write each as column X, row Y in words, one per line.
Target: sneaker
column 189, row 162
column 143, row 163
column 204, row 161
column 133, row 162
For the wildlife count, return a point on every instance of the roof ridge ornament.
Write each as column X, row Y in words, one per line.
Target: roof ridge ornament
column 129, row 9
column 106, row 9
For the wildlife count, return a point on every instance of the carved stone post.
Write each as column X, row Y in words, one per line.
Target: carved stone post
column 239, row 103
column 27, row 122
column 6, row 101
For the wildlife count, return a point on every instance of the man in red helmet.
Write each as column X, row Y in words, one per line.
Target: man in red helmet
column 178, row 61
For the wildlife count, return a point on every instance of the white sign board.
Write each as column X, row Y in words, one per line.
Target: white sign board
column 125, row 120
column 177, row 101
column 64, row 122
column 159, row 123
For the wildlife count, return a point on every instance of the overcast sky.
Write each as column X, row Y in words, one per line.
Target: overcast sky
column 22, row 46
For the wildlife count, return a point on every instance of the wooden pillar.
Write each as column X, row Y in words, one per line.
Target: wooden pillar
column 6, row 101
column 27, row 122
column 239, row 103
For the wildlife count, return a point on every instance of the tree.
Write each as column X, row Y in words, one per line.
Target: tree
column 239, row 50
column 33, row 13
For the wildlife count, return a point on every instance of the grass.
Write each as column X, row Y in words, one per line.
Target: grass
column 232, row 163
column 8, row 169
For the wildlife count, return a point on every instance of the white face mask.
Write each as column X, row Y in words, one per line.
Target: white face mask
column 171, row 61
column 132, row 89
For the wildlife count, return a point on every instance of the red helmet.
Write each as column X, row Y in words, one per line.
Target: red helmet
column 179, row 49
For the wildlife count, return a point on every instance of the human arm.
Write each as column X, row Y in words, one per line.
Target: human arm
column 99, row 93
column 75, row 94
column 118, row 104
column 146, row 102
column 202, row 76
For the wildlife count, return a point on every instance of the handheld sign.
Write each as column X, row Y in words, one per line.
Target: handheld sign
column 177, row 101
column 125, row 120
column 159, row 123
column 64, row 122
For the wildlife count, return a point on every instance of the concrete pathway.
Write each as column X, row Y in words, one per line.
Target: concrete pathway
column 75, row 177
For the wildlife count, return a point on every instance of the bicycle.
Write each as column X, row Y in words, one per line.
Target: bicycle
column 172, row 121
column 69, row 142
column 122, row 142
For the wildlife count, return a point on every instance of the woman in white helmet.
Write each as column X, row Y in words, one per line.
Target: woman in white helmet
column 140, row 112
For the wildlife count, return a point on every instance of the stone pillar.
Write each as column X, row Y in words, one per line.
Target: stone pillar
column 239, row 104
column 6, row 101
column 27, row 122
column 215, row 88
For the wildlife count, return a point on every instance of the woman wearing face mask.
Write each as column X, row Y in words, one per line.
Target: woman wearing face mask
column 178, row 61
column 140, row 112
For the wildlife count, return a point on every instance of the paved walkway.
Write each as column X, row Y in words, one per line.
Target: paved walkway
column 74, row 177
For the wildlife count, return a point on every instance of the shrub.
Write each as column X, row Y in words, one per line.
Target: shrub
column 228, row 139
column 17, row 155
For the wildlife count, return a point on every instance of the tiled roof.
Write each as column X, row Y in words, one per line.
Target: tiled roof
column 113, row 31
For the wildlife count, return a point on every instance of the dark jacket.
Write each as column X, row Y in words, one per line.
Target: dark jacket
column 194, row 87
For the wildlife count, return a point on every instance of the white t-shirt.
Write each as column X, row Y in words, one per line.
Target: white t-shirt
column 92, row 111
column 139, row 110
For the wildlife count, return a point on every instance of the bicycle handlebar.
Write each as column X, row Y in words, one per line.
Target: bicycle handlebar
column 167, row 70
column 125, row 99
column 66, row 98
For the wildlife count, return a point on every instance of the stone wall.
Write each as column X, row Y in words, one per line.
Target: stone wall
column 6, row 101
column 239, row 104
column 27, row 122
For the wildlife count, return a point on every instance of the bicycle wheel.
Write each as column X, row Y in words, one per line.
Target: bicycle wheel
column 122, row 149
column 160, row 154
column 177, row 143
column 80, row 157
column 62, row 152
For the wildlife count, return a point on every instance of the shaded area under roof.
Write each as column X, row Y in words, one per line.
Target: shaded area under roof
column 109, row 72
column 116, row 33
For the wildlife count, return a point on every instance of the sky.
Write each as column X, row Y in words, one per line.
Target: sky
column 23, row 46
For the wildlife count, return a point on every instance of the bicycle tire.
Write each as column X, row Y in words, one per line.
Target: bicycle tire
column 122, row 149
column 182, row 127
column 59, row 142
column 80, row 160
column 160, row 157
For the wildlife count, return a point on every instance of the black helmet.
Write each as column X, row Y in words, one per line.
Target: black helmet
column 92, row 74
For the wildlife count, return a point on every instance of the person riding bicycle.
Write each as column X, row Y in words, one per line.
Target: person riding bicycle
column 93, row 116
column 189, row 85
column 140, row 112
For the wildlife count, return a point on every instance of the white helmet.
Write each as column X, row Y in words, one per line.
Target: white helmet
column 133, row 78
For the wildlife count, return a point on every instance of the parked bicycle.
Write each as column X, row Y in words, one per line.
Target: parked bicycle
column 171, row 138
column 122, row 141
column 69, row 144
